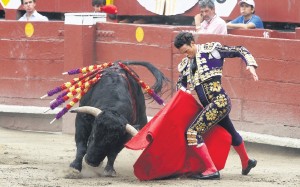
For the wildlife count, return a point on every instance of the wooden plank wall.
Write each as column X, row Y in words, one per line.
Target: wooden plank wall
column 30, row 66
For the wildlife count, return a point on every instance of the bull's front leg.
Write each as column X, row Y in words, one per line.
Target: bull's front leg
column 81, row 150
column 82, row 133
column 109, row 170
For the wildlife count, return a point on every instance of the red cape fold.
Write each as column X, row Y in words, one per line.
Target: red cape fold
column 163, row 139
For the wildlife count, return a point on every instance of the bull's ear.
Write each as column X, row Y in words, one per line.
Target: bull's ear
column 131, row 130
column 88, row 110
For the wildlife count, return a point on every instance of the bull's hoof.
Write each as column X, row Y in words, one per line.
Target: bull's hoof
column 90, row 171
column 72, row 173
column 76, row 165
column 109, row 173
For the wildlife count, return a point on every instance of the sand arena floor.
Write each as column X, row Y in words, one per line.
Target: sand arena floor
column 40, row 159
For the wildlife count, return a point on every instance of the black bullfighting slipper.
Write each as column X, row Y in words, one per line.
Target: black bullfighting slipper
column 213, row 176
column 251, row 164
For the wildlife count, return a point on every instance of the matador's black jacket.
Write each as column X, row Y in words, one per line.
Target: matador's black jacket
column 209, row 63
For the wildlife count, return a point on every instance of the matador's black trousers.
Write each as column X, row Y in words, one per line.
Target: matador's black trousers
column 217, row 106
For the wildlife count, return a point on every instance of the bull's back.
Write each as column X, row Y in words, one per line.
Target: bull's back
column 118, row 92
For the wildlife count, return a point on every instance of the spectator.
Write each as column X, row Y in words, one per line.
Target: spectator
column 208, row 22
column 248, row 20
column 31, row 14
column 98, row 5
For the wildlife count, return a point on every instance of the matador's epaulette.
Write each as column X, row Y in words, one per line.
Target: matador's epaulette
column 208, row 47
column 183, row 64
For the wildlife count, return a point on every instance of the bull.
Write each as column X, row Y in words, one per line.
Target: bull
column 108, row 116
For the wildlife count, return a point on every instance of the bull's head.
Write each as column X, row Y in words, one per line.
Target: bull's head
column 96, row 111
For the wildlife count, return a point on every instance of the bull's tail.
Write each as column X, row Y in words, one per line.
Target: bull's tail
column 161, row 79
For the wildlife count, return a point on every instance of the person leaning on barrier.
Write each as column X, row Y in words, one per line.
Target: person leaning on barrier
column 31, row 13
column 201, row 70
column 208, row 22
column 98, row 4
column 248, row 20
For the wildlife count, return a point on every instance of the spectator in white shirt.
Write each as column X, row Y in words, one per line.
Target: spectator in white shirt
column 31, row 14
column 208, row 22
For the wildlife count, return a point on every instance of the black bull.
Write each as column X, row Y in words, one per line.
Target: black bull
column 103, row 133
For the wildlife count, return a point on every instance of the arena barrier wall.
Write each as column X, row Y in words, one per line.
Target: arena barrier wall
column 33, row 56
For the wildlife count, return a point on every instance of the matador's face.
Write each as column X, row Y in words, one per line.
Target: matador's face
column 188, row 50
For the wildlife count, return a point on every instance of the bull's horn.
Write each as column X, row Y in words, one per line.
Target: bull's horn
column 87, row 109
column 131, row 130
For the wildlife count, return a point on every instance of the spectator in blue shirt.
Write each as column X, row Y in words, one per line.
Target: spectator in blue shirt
column 248, row 20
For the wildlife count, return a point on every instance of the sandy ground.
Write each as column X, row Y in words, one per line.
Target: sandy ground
column 40, row 159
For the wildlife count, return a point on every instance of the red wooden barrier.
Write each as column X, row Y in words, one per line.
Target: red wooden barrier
column 33, row 59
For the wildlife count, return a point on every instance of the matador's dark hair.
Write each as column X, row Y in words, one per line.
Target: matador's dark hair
column 183, row 38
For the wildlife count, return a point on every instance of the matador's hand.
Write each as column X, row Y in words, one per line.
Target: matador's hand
column 253, row 72
column 185, row 90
